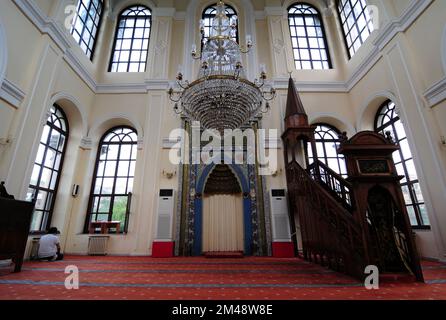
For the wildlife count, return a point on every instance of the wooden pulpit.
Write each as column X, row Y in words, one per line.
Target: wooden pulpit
column 15, row 221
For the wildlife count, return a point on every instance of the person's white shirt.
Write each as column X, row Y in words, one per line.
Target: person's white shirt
column 48, row 245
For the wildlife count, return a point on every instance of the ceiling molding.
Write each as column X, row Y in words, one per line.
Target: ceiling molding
column 312, row 86
column 436, row 93
column 11, row 93
column 133, row 87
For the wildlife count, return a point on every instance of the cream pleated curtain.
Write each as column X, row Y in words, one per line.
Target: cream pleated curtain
column 223, row 223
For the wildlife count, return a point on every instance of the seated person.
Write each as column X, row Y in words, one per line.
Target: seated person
column 49, row 246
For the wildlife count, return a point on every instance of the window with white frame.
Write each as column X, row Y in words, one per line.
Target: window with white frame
column 327, row 142
column 308, row 39
column 357, row 23
column 47, row 169
column 387, row 120
column 131, row 46
column 86, row 24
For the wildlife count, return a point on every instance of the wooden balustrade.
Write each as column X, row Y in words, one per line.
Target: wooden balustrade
column 330, row 235
column 334, row 183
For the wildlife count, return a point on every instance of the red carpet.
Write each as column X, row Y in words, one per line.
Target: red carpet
column 224, row 255
column 249, row 278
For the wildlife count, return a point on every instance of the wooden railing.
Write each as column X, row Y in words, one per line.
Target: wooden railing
column 333, row 182
column 330, row 235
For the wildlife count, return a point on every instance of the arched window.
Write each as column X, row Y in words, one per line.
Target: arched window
column 308, row 38
column 327, row 142
column 132, row 39
column 86, row 24
column 387, row 120
column 113, row 177
column 208, row 17
column 47, row 169
column 356, row 23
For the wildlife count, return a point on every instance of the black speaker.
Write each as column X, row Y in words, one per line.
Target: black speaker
column 75, row 191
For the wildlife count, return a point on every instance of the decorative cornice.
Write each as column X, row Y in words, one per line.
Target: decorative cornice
column 86, row 143
column 11, row 93
column 132, row 87
column 121, row 88
column 312, row 86
column 140, row 144
column 169, row 143
column 436, row 94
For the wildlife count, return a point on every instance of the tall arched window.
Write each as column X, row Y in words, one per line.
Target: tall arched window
column 387, row 120
column 47, row 169
column 86, row 24
column 132, row 39
column 208, row 17
column 327, row 142
column 113, row 177
column 308, row 38
column 356, row 23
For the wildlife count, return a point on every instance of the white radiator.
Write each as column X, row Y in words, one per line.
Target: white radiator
column 97, row 245
column 34, row 254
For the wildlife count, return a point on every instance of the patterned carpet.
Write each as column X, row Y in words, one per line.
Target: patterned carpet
column 250, row 278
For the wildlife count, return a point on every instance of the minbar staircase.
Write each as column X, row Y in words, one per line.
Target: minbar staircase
column 330, row 235
column 333, row 183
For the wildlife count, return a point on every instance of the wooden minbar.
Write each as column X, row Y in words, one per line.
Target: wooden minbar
column 380, row 208
column 15, row 221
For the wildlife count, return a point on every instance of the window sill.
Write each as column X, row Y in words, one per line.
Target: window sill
column 36, row 233
column 421, row 228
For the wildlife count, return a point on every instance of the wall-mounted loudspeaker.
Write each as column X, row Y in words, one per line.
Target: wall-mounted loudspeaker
column 75, row 191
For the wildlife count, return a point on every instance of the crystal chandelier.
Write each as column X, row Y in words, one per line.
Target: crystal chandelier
column 221, row 98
